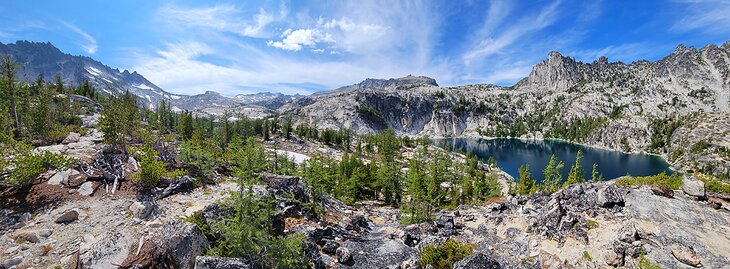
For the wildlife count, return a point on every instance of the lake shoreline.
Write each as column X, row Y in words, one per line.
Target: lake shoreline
column 665, row 158
column 512, row 152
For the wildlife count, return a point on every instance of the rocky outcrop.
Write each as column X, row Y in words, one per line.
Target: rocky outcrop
column 209, row 262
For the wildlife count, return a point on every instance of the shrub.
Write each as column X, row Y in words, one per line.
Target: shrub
column 248, row 233
column 151, row 171
column 21, row 166
column 444, row 256
column 673, row 181
column 645, row 263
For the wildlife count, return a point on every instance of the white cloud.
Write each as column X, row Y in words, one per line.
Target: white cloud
column 90, row 46
column 296, row 39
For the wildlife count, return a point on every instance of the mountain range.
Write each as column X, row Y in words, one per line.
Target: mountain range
column 37, row 58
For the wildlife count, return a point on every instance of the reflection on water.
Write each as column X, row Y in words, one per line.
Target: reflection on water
column 511, row 153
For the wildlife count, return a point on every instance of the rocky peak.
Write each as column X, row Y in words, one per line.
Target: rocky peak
column 603, row 60
column 557, row 72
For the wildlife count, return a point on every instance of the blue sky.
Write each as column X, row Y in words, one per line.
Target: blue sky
column 303, row 46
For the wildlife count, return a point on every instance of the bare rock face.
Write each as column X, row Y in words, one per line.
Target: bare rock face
column 554, row 73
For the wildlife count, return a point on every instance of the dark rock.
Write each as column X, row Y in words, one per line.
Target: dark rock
column 411, row 237
column 477, row 261
column 330, row 247
column 372, row 252
column 357, row 223
column 665, row 192
column 209, row 262
column 445, row 225
column 68, row 216
column 185, row 242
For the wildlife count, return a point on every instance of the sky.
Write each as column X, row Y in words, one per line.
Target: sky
column 189, row 47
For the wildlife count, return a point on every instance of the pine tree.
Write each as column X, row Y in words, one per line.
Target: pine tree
column 552, row 175
column 595, row 176
column 185, row 127
column 42, row 113
column 526, row 184
column 8, row 71
column 576, row 171
column 119, row 119
column 287, row 127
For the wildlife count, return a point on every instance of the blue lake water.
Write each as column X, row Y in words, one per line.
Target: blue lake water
column 511, row 153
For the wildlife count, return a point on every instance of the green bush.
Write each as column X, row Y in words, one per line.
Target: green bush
column 673, row 181
column 21, row 166
column 248, row 233
column 151, row 171
column 444, row 256
column 645, row 263
column 712, row 184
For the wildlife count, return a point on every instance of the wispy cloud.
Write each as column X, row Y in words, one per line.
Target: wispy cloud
column 704, row 15
column 223, row 17
column 90, row 45
column 492, row 42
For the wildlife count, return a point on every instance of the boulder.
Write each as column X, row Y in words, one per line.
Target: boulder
column 11, row 262
column 693, row 187
column 613, row 258
column 107, row 250
column 477, row 261
column 686, row 255
column 185, row 241
column 343, row 255
column 71, row 138
column 445, row 225
column 330, row 247
column 45, row 232
column 661, row 191
column 87, row 189
column 142, row 209
column 68, row 216
column 26, row 236
column 210, row 262
column 60, row 177
column 609, row 196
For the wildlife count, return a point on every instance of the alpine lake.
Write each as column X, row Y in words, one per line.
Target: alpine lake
column 511, row 153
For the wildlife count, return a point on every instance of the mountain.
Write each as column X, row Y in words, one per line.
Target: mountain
column 266, row 99
column 629, row 107
column 37, row 58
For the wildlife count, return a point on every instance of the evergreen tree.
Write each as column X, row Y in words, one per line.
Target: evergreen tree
column 552, row 175
column 576, row 171
column 185, row 126
column 42, row 114
column 287, row 127
column 595, row 176
column 10, row 91
column 526, row 184
column 120, row 119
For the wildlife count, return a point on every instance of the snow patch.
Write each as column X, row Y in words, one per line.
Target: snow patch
column 107, row 80
column 143, row 86
column 148, row 98
column 93, row 71
column 175, row 97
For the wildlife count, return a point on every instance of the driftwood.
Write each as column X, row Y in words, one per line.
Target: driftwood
column 166, row 151
column 108, row 167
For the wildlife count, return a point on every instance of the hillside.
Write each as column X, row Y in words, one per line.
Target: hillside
column 608, row 104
